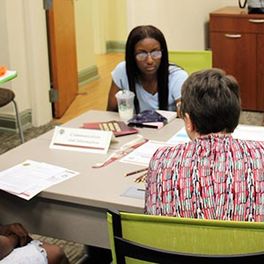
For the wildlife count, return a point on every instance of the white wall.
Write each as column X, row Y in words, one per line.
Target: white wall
column 182, row 22
column 24, row 45
column 109, row 22
column 24, row 48
column 99, row 14
column 37, row 62
column 117, row 20
column 84, row 31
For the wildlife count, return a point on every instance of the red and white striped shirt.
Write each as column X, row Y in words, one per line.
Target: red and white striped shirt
column 212, row 177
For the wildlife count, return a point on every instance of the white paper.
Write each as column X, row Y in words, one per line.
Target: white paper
column 249, row 132
column 80, row 139
column 170, row 115
column 179, row 138
column 31, row 177
column 244, row 132
column 143, row 154
column 135, row 192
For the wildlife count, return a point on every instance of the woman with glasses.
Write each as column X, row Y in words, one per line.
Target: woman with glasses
column 146, row 71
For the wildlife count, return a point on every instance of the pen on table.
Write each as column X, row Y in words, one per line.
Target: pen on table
column 135, row 172
column 141, row 178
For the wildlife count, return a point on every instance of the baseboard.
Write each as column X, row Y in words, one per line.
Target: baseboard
column 115, row 46
column 87, row 75
column 8, row 121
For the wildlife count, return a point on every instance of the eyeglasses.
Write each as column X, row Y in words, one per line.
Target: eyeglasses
column 155, row 54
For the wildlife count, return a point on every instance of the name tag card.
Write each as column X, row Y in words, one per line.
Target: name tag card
column 79, row 139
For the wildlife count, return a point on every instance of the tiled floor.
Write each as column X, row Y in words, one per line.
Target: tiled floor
column 74, row 251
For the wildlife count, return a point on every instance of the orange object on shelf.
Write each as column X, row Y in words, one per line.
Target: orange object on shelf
column 3, row 70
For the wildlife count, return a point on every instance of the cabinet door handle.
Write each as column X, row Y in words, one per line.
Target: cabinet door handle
column 256, row 21
column 233, row 35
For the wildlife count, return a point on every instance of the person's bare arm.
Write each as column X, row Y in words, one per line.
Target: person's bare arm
column 18, row 230
column 7, row 244
column 112, row 102
column 178, row 105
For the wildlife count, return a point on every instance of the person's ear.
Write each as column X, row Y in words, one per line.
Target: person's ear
column 188, row 123
column 190, row 127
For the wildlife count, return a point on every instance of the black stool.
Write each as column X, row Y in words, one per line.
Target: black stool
column 7, row 96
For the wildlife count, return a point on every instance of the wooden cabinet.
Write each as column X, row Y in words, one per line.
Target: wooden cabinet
column 237, row 43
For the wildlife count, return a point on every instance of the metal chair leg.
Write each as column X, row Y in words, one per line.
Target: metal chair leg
column 19, row 123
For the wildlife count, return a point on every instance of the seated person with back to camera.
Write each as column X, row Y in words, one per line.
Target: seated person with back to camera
column 214, row 176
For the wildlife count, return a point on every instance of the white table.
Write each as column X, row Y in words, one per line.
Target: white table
column 75, row 209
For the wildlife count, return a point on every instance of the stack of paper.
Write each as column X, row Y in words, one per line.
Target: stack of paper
column 143, row 154
column 27, row 179
column 169, row 115
column 246, row 132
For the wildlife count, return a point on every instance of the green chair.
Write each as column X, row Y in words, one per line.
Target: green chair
column 191, row 61
column 161, row 239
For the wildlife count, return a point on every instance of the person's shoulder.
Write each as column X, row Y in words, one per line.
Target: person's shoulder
column 251, row 143
column 119, row 70
column 175, row 70
column 121, row 66
column 252, row 147
column 167, row 150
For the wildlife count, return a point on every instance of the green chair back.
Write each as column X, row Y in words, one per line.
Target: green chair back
column 191, row 61
column 192, row 236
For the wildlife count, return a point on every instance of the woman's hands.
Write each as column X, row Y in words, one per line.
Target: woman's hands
column 16, row 230
column 112, row 102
